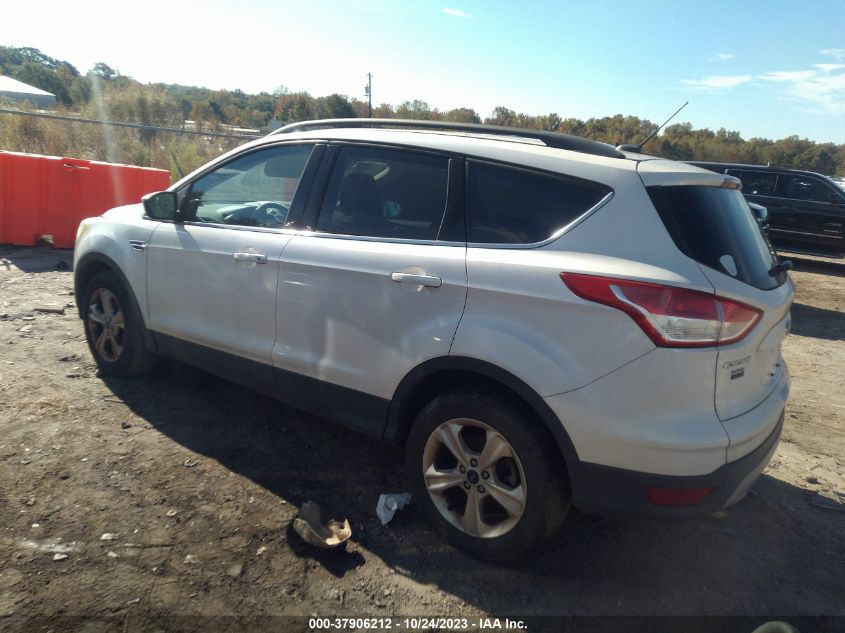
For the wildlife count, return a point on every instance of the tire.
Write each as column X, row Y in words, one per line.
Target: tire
column 114, row 328
column 521, row 471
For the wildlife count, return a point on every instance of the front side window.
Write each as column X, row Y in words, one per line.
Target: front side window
column 807, row 188
column 509, row 205
column 253, row 190
column 380, row 192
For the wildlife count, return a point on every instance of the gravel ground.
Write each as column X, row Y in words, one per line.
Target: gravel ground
column 133, row 503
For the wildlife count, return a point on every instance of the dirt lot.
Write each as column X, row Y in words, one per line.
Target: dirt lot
column 173, row 495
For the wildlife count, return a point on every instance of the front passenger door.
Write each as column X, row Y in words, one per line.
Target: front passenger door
column 212, row 277
column 818, row 211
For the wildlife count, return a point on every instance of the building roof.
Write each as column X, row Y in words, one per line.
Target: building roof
column 7, row 84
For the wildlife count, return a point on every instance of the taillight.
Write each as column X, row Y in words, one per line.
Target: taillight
column 671, row 317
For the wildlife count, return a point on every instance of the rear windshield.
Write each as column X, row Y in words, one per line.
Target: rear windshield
column 715, row 227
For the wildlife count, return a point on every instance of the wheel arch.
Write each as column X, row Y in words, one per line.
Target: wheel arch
column 92, row 264
column 437, row 375
column 89, row 265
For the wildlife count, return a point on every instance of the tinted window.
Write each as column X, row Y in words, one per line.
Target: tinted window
column 756, row 183
column 716, row 228
column 385, row 193
column 838, row 185
column 516, row 206
column 806, row 188
column 253, row 190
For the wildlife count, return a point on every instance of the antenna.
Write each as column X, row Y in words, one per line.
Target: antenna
column 639, row 147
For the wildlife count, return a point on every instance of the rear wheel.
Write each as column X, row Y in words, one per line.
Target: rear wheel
column 483, row 473
column 114, row 327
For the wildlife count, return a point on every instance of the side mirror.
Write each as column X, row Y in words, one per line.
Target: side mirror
column 761, row 214
column 160, row 205
column 835, row 198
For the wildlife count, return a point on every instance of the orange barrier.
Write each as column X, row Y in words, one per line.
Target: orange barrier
column 46, row 197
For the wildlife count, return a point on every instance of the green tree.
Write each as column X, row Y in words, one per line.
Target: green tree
column 299, row 106
column 104, row 71
column 501, row 116
column 462, row 115
column 334, row 106
column 416, row 109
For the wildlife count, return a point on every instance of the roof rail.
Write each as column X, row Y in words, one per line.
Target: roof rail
column 550, row 139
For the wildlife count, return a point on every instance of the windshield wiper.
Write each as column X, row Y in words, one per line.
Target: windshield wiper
column 781, row 268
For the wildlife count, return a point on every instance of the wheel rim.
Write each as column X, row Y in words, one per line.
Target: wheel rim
column 475, row 478
column 106, row 325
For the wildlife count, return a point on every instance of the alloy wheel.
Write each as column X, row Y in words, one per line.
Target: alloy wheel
column 475, row 478
column 106, row 325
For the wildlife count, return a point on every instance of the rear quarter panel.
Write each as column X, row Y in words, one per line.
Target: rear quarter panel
column 522, row 317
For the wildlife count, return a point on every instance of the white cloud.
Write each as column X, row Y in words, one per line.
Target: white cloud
column 724, row 57
column 820, row 89
column 717, row 82
column 457, row 13
column 837, row 53
column 789, row 75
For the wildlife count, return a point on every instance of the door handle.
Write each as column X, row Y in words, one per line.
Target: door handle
column 256, row 258
column 420, row 280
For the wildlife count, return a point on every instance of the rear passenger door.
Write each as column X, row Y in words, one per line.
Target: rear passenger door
column 377, row 287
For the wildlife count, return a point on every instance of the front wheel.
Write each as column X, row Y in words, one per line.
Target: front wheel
column 114, row 328
column 482, row 472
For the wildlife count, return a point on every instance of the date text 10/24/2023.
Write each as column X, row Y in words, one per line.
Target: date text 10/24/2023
column 416, row 624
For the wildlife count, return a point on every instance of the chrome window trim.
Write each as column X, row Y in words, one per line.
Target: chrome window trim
column 322, row 234
column 239, row 227
column 395, row 240
column 386, row 240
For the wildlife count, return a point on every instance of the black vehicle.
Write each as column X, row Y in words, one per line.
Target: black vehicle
column 806, row 209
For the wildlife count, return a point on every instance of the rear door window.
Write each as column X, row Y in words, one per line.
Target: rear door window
column 384, row 192
column 509, row 205
column 756, row 183
column 715, row 227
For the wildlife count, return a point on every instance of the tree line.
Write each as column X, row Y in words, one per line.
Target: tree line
column 104, row 93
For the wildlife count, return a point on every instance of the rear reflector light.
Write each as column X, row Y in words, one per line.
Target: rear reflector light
column 670, row 316
column 676, row 496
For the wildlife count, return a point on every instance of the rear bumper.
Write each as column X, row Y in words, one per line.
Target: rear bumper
column 616, row 491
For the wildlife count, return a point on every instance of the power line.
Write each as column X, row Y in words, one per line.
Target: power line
column 138, row 126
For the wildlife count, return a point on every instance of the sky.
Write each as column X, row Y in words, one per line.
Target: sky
column 768, row 68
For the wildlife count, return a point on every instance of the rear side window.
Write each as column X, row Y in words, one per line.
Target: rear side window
column 381, row 192
column 715, row 227
column 508, row 205
column 756, row 183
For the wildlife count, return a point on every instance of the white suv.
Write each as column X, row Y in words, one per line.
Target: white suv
column 538, row 320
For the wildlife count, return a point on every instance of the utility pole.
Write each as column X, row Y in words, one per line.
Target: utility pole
column 368, row 90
